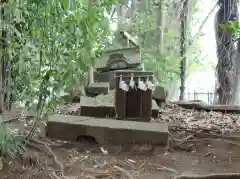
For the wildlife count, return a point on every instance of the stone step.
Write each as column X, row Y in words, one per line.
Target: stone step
column 93, row 108
column 106, row 131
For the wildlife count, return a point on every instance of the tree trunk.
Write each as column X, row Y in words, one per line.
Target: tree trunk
column 90, row 78
column 90, row 74
column 5, row 62
column 159, row 26
column 183, row 48
column 226, row 68
column 119, row 10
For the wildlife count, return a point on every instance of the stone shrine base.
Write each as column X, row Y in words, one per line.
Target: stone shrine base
column 106, row 131
column 104, row 108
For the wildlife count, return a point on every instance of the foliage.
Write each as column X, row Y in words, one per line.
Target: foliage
column 9, row 145
column 51, row 43
column 231, row 27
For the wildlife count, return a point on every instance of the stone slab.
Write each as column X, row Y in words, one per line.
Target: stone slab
column 102, row 108
column 106, row 131
column 97, row 88
column 199, row 105
column 98, row 111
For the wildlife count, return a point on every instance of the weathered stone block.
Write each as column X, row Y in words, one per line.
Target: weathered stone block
column 103, row 106
column 97, row 88
column 106, row 131
column 159, row 94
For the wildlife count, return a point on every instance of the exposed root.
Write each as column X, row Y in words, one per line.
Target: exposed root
column 164, row 168
column 53, row 174
column 30, row 144
column 55, row 159
column 124, row 172
column 210, row 176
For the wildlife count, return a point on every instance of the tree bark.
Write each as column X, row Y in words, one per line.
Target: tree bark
column 119, row 10
column 160, row 26
column 3, row 37
column 226, row 68
column 183, row 48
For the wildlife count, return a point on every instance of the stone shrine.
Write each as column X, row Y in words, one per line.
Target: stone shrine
column 119, row 104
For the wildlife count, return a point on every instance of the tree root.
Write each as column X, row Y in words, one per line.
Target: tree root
column 56, row 159
column 53, row 155
column 124, row 172
column 164, row 168
column 210, row 176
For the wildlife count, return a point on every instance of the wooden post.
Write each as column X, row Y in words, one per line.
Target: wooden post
column 208, row 97
column 90, row 74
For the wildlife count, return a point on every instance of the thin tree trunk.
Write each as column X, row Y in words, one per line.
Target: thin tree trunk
column 90, row 74
column 183, row 48
column 1, row 90
column 3, row 36
column 119, row 10
column 90, row 79
column 160, row 26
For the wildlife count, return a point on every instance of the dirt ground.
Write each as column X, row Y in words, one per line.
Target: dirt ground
column 199, row 143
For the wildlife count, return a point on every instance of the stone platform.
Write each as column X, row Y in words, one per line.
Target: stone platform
column 104, row 107
column 106, row 131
